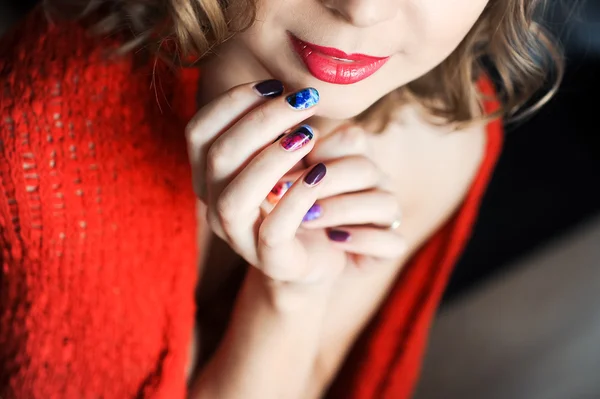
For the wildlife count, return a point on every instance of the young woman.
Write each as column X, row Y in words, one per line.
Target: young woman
column 338, row 149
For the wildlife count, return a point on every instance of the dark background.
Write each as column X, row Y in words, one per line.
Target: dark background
column 547, row 179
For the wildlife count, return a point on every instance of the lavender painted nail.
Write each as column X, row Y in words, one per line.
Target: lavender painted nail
column 313, row 213
column 297, row 139
column 316, row 174
column 338, row 235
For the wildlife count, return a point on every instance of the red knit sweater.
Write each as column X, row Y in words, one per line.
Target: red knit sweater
column 97, row 232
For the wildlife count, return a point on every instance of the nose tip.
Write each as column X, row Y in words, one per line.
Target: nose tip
column 362, row 13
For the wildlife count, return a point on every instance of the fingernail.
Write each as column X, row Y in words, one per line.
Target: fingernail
column 338, row 235
column 303, row 99
column 315, row 175
column 313, row 213
column 278, row 191
column 297, row 139
column 269, row 88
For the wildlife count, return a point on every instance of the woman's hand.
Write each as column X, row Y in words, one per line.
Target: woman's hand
column 237, row 158
column 356, row 205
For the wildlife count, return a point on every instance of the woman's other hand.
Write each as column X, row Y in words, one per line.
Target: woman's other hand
column 237, row 156
column 356, row 205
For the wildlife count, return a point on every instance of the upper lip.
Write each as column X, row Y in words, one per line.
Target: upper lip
column 337, row 53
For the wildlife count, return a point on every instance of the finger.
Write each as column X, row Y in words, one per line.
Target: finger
column 368, row 241
column 238, row 205
column 375, row 207
column 249, row 188
column 347, row 141
column 221, row 113
column 255, row 130
column 281, row 254
column 346, row 175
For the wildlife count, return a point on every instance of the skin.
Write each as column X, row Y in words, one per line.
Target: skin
column 301, row 286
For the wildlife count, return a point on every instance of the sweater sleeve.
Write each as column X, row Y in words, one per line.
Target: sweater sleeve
column 96, row 222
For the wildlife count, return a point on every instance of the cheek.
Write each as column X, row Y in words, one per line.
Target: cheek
column 441, row 26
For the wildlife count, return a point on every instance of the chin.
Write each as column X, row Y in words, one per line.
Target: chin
column 329, row 109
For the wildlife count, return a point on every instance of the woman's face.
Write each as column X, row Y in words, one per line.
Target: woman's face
column 372, row 46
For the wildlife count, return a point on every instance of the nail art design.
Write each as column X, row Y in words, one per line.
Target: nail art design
column 269, row 88
column 316, row 174
column 297, row 139
column 338, row 235
column 313, row 213
column 278, row 191
column 303, row 99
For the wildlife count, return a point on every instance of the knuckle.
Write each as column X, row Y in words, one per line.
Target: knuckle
column 260, row 115
column 226, row 210
column 268, row 238
column 369, row 169
column 192, row 135
column 236, row 94
column 217, row 157
column 354, row 139
column 189, row 129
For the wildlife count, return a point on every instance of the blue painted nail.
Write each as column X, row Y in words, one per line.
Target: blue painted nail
column 313, row 213
column 303, row 99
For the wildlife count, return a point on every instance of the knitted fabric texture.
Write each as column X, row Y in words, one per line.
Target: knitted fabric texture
column 97, row 231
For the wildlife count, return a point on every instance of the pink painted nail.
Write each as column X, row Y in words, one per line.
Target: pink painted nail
column 297, row 139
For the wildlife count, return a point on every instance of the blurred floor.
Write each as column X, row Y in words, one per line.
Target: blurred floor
column 532, row 333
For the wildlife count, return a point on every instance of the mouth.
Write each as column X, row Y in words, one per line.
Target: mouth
column 335, row 66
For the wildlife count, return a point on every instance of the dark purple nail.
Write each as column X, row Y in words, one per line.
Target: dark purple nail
column 338, row 235
column 313, row 213
column 315, row 175
column 269, row 88
column 297, row 139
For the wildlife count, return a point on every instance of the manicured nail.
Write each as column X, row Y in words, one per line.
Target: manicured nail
column 315, row 175
column 278, row 191
column 313, row 213
column 269, row 88
column 298, row 138
column 303, row 99
column 338, row 235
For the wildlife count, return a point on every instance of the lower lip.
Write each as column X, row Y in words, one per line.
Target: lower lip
column 329, row 69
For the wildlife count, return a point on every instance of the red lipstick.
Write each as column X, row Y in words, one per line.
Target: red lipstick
column 335, row 66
